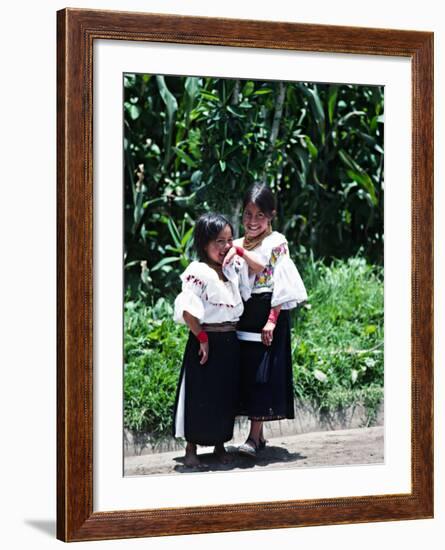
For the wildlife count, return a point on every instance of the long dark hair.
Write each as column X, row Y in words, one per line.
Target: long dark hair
column 207, row 228
column 262, row 197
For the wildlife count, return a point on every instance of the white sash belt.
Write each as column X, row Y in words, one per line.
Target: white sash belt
column 248, row 336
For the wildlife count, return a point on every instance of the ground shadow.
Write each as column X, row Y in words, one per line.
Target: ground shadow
column 265, row 457
column 47, row 526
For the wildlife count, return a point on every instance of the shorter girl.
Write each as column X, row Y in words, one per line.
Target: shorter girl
column 210, row 303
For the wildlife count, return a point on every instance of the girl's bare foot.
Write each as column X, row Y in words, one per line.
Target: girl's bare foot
column 222, row 455
column 262, row 441
column 191, row 458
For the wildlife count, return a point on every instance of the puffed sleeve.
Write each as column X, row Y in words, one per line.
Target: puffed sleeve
column 190, row 297
column 245, row 281
column 238, row 271
column 288, row 287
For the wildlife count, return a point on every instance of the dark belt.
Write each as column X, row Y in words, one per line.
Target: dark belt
column 228, row 326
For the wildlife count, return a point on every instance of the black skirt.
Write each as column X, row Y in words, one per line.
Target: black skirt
column 266, row 384
column 211, row 391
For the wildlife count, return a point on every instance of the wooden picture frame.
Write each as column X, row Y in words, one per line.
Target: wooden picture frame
column 76, row 32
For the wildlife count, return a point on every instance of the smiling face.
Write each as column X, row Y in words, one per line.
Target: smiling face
column 217, row 248
column 254, row 220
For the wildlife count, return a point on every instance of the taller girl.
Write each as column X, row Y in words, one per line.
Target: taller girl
column 264, row 328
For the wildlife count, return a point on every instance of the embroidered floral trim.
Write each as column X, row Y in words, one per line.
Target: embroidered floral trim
column 265, row 418
column 202, row 284
column 278, row 251
column 237, row 264
column 194, row 280
column 265, row 278
column 217, row 304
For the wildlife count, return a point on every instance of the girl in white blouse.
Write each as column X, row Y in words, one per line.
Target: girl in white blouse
column 211, row 303
column 266, row 385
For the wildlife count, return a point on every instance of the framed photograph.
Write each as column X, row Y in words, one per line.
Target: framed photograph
column 228, row 135
column 165, row 121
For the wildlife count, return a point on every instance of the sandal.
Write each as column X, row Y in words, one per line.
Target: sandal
column 262, row 444
column 249, row 449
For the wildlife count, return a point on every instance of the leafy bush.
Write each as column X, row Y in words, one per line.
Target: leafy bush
column 337, row 346
column 154, row 345
column 194, row 144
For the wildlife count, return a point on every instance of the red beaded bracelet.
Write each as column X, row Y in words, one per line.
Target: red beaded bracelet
column 239, row 251
column 202, row 337
column 273, row 316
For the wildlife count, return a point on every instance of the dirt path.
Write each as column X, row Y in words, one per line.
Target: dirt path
column 331, row 448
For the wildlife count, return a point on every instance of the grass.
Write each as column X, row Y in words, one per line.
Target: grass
column 337, row 344
column 337, row 347
column 153, row 347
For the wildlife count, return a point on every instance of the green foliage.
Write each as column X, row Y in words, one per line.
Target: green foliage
column 153, row 350
column 195, row 144
column 338, row 337
column 337, row 346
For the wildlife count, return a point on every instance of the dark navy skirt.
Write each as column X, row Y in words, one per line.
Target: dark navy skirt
column 266, row 385
column 211, row 391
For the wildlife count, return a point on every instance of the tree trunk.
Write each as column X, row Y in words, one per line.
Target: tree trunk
column 236, row 212
column 275, row 126
column 236, row 217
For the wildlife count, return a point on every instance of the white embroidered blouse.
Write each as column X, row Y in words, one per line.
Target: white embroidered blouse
column 210, row 299
column 280, row 275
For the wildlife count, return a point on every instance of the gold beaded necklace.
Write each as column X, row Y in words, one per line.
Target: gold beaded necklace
column 249, row 243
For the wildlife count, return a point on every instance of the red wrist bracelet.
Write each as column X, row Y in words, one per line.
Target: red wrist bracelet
column 273, row 316
column 202, row 337
column 239, row 251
